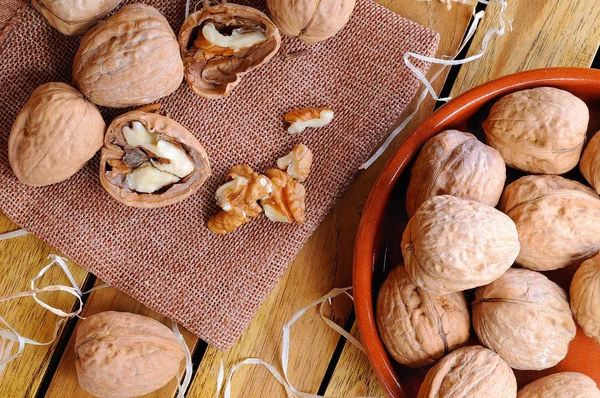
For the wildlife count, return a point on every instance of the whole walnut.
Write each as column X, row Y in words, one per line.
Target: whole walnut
column 525, row 318
column 310, row 21
column 540, row 131
column 453, row 244
column 130, row 59
column 417, row 327
column 458, row 164
column 590, row 162
column 561, row 385
column 54, row 135
column 585, row 297
column 119, row 354
column 74, row 17
column 473, row 372
column 558, row 220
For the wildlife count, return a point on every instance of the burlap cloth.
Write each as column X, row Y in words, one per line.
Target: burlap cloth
column 167, row 258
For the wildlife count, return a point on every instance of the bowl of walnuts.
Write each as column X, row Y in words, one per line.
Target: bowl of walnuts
column 477, row 259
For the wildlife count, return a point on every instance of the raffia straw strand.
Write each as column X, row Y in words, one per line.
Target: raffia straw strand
column 13, row 234
column 183, row 385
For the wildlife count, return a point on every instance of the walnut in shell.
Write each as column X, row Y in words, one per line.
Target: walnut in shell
column 54, row 135
column 525, row 318
column 149, row 160
column 458, row 164
column 74, row 17
column 220, row 44
column 417, row 327
column 130, row 59
column 585, row 299
column 540, row 131
column 561, row 385
column 558, row 220
column 590, row 162
column 119, row 354
column 453, row 244
column 470, row 372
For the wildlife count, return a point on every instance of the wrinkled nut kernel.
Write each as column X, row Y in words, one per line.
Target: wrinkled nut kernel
column 558, row 220
column 590, row 162
column 297, row 163
column 301, row 119
column 54, row 135
column 287, row 201
column 525, row 318
column 452, row 244
column 221, row 43
column 130, row 59
column 540, row 131
column 225, row 222
column 417, row 327
column 561, row 385
column 458, row 164
column 149, row 160
column 585, row 300
column 74, row 17
column 470, row 372
column 119, row 354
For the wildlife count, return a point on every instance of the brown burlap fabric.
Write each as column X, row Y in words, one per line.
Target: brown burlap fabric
column 167, row 258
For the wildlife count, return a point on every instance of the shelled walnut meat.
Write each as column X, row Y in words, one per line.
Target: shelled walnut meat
column 119, row 354
column 417, row 327
column 590, row 162
column 149, row 160
column 561, row 385
column 525, row 318
column 74, row 17
column 220, row 44
column 540, row 131
column 453, row 244
column 297, row 163
column 301, row 119
column 130, row 59
column 558, row 220
column 585, row 297
column 470, row 372
column 287, row 201
column 458, row 164
column 54, row 135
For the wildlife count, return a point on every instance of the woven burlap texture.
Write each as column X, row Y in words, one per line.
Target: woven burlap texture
column 167, row 258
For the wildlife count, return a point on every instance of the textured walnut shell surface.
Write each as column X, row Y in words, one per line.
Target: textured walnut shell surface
column 215, row 77
column 417, row 327
column 561, row 385
column 130, row 59
column 114, row 142
column 473, row 372
column 119, row 354
column 558, row 220
column 310, row 20
column 585, row 297
column 540, row 131
column 452, row 244
column 74, row 17
column 590, row 162
column 54, row 135
column 525, row 318
column 458, row 164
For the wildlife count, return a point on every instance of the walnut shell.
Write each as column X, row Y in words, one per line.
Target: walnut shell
column 540, row 131
column 585, row 300
column 54, row 135
column 473, row 372
column 119, row 354
column 561, row 385
column 558, row 220
column 74, row 17
column 417, row 327
column 458, row 164
column 115, row 167
column 525, row 318
column 310, row 20
column 130, row 59
column 590, row 162
column 214, row 71
column 454, row 244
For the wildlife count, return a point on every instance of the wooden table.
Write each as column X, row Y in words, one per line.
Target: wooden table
column 546, row 33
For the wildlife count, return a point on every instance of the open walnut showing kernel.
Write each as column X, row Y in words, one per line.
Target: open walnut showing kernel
column 297, row 162
column 301, row 119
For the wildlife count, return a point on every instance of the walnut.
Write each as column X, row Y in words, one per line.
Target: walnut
column 525, row 318
column 585, row 300
column 287, row 201
column 417, row 327
column 297, row 163
column 590, row 162
column 225, row 222
column 561, row 385
column 301, row 119
column 74, row 17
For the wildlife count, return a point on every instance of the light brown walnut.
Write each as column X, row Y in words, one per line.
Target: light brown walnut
column 225, row 222
column 287, row 201
column 297, row 163
column 585, row 297
column 590, row 162
column 301, row 119
column 74, row 17
column 561, row 385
